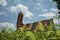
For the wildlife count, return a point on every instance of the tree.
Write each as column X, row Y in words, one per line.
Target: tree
column 58, row 6
column 40, row 26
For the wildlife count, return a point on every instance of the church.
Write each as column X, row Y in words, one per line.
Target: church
column 44, row 24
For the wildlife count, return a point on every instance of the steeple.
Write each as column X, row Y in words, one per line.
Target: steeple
column 19, row 20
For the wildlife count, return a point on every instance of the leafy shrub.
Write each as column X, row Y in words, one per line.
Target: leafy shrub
column 38, row 34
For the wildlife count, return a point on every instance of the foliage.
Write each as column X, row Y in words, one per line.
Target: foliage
column 30, row 35
column 58, row 3
column 38, row 34
column 40, row 26
column 58, row 6
column 50, row 27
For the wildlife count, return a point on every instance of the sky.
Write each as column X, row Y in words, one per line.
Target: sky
column 33, row 10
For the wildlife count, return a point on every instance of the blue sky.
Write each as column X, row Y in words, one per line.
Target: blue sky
column 33, row 10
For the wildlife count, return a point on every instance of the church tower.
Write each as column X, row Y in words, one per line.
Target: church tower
column 20, row 20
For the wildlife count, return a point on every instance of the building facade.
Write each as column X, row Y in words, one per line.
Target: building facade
column 44, row 24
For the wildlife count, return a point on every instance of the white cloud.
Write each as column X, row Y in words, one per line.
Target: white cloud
column 28, row 14
column 38, row 4
column 2, row 13
column 48, row 15
column 19, row 7
column 7, row 26
column 54, row 9
column 3, row 3
column 23, row 8
column 44, row 10
column 13, row 9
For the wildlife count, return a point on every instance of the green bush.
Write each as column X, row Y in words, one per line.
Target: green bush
column 40, row 34
column 29, row 35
